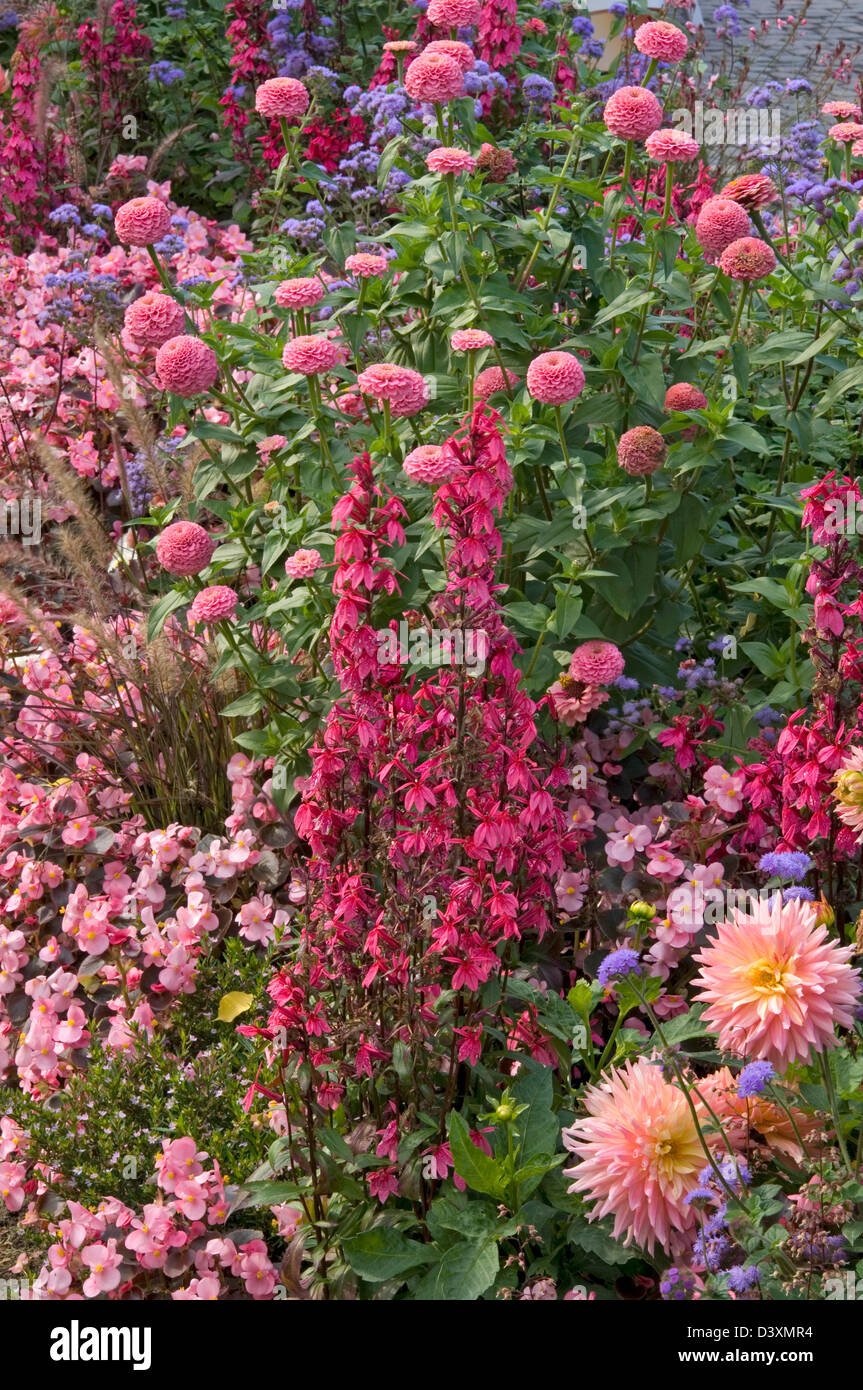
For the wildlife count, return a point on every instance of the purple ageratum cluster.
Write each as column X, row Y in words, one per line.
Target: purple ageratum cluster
column 727, row 22
column 618, row 964
column 791, row 864
column 295, row 53
column 676, row 1284
column 742, row 1278
column 538, row 91
column 754, row 1078
column 166, row 73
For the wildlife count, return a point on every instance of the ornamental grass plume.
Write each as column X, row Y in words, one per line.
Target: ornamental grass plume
column 154, row 318
column 720, row 222
column 640, row 1156
column 632, row 113
column 776, row 985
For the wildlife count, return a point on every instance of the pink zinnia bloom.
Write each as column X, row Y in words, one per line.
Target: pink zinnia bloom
column 721, row 221
column 154, row 318
column 449, row 160
column 671, row 146
column 658, row 39
column 435, row 77
column 213, row 604
column 142, row 221
column 364, row 265
column 399, row 46
column 776, row 984
column 684, row 396
column 271, row 443
column 632, row 113
column 471, row 340
column 571, row 701
column 453, row 14
column 186, row 366
column 184, row 547
column 842, row 110
column 310, row 354
column 303, row 292
column 406, row 390
column 846, row 132
column 303, row 563
column 453, row 49
column 555, row 377
column 597, row 663
column 640, row 451
column 283, row 97
column 429, row 464
column 749, row 258
column 640, row 1155
column 491, row 380
column 750, row 191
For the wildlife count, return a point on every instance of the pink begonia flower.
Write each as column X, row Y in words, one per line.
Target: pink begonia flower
column 662, row 864
column 189, row 1198
column 255, row 921
column 256, row 1269
column 12, row 1179
column 570, row 890
column 178, row 1161
column 288, row 1218
column 723, row 788
column 626, row 840
column 104, row 1262
column 205, row 1290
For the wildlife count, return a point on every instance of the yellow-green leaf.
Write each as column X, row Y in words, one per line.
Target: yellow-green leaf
column 233, row 1004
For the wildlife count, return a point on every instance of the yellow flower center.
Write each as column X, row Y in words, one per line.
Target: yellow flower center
column 766, row 977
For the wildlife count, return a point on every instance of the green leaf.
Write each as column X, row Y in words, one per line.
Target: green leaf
column 465, row 1272
column 384, row 1253
column 480, row 1172
column 162, row 610
column 845, row 381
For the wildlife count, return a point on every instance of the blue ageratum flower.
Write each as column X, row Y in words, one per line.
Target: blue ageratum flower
column 618, row 964
column 743, row 1277
column 791, row 864
column 166, row 73
column 64, row 214
column 754, row 1078
column 537, row 89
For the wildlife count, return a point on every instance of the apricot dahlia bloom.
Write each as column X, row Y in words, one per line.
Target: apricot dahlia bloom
column 753, row 1121
column 640, row 1156
column 775, row 983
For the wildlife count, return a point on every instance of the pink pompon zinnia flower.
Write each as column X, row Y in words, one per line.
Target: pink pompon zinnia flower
column 659, row 39
column 470, row 340
column 721, row 221
column 364, row 264
column 303, row 292
column 776, row 984
column 399, row 46
column 572, row 701
column 640, row 1156
column 849, row 791
column 186, row 366
column 846, row 132
column 303, row 563
column 842, row 110
column 282, row 97
column 632, row 113
column 640, row 451
column 597, row 663
column 154, row 318
column 453, row 49
column 684, row 396
column 671, row 146
column 555, row 377
column 271, row 443
column 184, row 548
column 213, row 605
column 449, row 160
column 434, row 77
column 491, row 380
column 749, row 258
column 142, row 221
column 430, row 464
column 453, row 14
column 750, row 191
column 406, row 390
column 310, row 354
column 498, row 163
